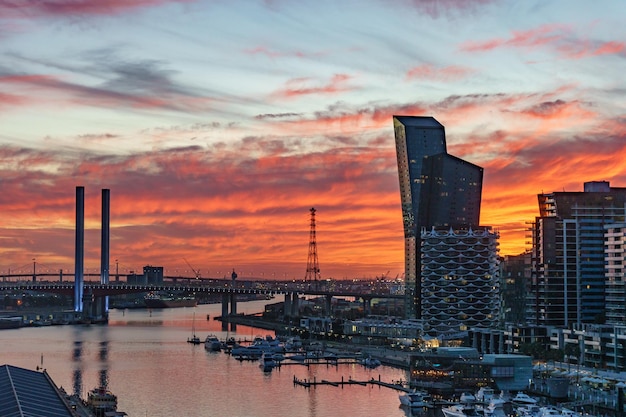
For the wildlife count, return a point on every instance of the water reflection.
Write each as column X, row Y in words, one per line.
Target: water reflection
column 77, row 376
column 80, row 361
column 104, row 371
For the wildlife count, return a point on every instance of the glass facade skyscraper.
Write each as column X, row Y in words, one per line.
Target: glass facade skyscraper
column 437, row 190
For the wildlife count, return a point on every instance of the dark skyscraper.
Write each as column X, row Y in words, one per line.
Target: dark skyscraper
column 437, row 190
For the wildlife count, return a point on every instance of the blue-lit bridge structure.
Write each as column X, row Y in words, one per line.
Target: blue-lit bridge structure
column 95, row 292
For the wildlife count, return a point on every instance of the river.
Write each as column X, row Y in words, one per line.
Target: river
column 146, row 361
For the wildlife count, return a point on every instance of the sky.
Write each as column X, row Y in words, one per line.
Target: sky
column 217, row 125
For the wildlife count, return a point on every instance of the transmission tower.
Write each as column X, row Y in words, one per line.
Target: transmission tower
column 312, row 264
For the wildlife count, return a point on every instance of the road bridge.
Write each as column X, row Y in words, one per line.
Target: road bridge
column 229, row 289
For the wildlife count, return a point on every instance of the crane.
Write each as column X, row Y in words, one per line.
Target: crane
column 197, row 273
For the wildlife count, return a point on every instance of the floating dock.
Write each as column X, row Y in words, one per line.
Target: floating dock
column 308, row 383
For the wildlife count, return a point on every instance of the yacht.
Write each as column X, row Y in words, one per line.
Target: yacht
column 416, row 399
column 485, row 394
column 267, row 362
column 523, row 399
column 467, row 398
column 212, row 343
column 462, row 410
column 550, row 411
column 370, row 362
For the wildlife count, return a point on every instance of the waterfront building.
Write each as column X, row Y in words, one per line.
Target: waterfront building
column 464, row 368
column 390, row 329
column 440, row 194
column 568, row 275
column 598, row 346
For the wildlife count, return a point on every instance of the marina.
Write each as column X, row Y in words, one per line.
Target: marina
column 146, row 362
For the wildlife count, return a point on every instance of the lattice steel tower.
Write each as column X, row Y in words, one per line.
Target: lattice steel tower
column 312, row 264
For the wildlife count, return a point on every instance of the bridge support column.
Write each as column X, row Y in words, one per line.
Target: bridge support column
column 287, row 306
column 104, row 246
column 233, row 304
column 79, row 249
column 87, row 304
column 367, row 306
column 295, row 305
column 225, row 299
column 328, row 305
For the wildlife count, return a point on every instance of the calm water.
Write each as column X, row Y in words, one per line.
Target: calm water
column 152, row 369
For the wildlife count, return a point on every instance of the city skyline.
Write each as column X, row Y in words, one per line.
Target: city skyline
column 218, row 125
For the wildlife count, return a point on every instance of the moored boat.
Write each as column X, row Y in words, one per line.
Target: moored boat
column 212, row 343
column 416, row 399
column 370, row 362
column 462, row 410
column 101, row 401
column 195, row 340
column 267, row 362
column 522, row 398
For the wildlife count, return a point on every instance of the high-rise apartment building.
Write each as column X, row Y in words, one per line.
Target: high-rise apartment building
column 615, row 263
column 573, row 237
column 440, row 196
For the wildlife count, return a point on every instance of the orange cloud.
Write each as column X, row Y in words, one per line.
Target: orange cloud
column 244, row 204
column 543, row 35
column 557, row 36
column 302, row 87
column 430, row 72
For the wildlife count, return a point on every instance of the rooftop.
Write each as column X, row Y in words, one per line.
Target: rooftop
column 29, row 393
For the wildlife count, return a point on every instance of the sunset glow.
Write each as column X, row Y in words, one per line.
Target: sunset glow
column 218, row 125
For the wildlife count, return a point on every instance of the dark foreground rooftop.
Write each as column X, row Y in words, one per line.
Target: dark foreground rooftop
column 30, row 393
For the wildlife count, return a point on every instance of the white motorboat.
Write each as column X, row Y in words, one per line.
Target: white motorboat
column 370, row 362
column 416, row 399
column 550, row 411
column 467, row 398
column 496, row 408
column 529, row 410
column 462, row 410
column 485, row 394
column 212, row 343
column 523, row 399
